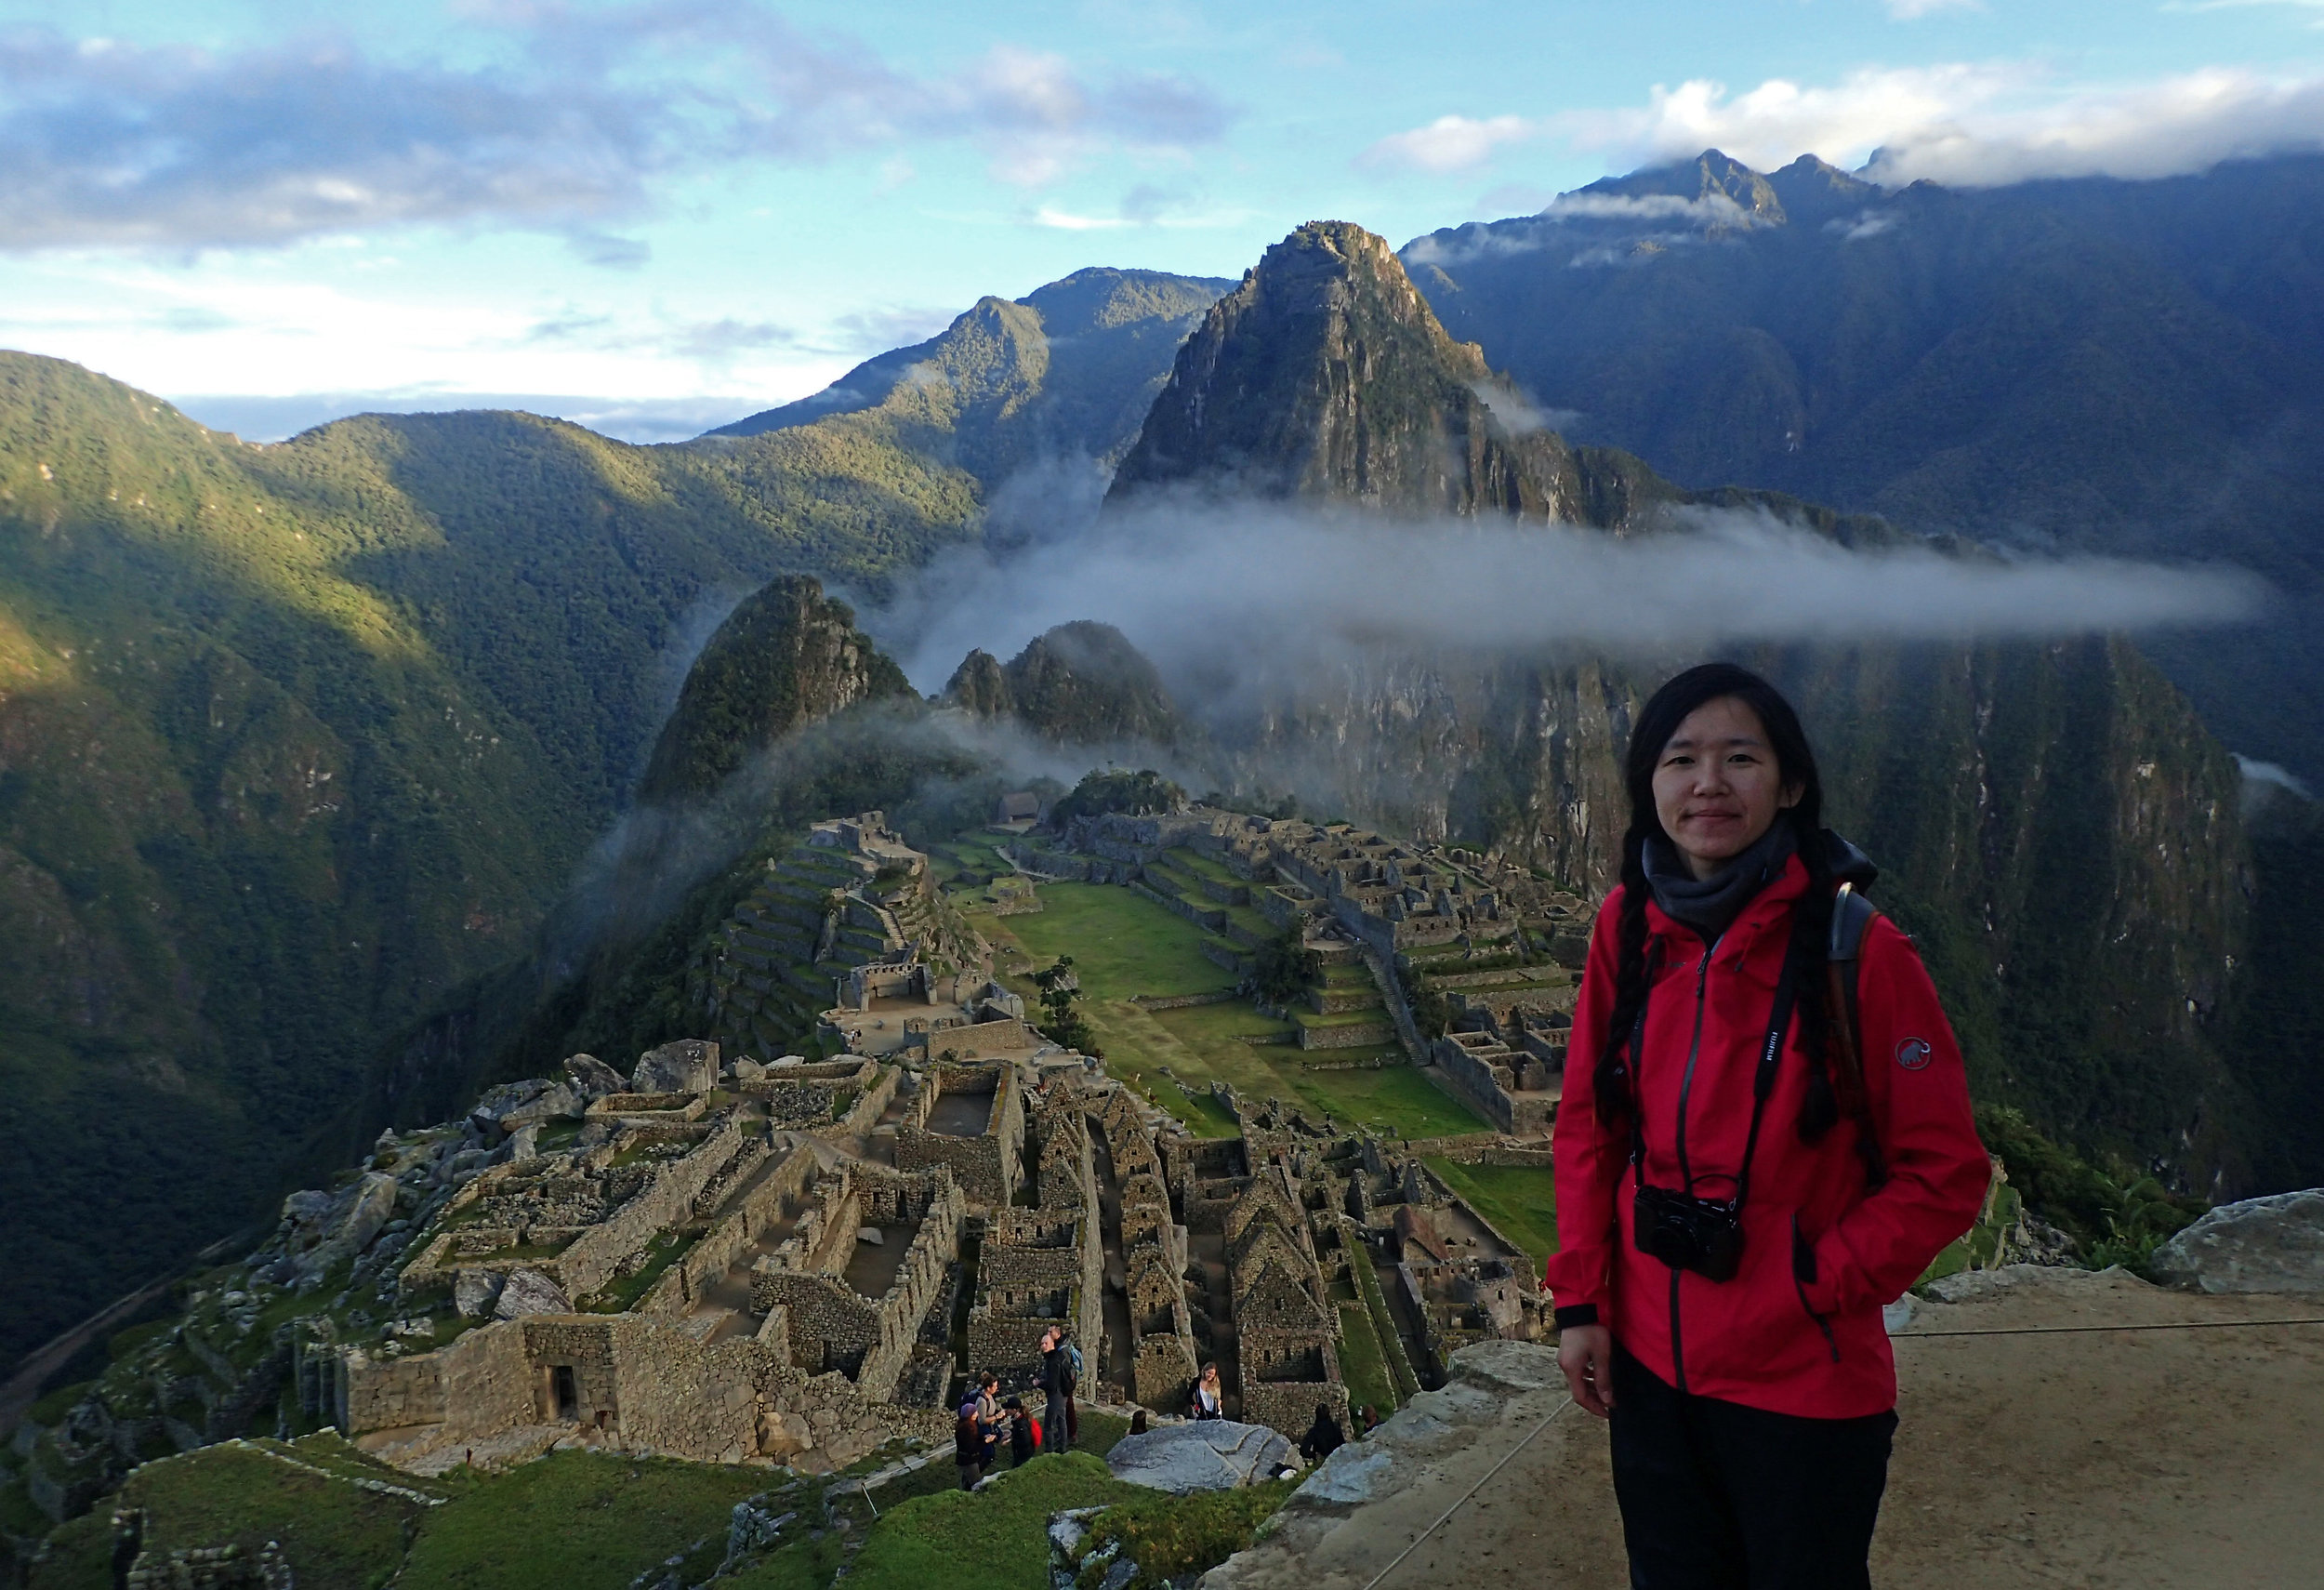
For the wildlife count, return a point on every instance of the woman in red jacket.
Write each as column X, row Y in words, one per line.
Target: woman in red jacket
column 1745, row 1172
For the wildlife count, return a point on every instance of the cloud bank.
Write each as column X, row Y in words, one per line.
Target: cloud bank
column 1964, row 124
column 1260, row 594
column 111, row 144
column 1968, row 125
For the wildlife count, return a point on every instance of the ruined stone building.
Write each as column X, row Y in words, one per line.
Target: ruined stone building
column 968, row 1118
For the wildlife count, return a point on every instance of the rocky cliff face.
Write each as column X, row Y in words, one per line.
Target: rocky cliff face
column 2056, row 825
column 787, row 657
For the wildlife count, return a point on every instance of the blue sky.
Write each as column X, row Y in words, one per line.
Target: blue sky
column 656, row 215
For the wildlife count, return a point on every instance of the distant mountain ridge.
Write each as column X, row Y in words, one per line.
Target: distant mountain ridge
column 1069, row 369
column 2135, row 368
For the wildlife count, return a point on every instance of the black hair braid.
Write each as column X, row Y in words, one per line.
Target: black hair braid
column 1809, row 960
column 1616, row 1064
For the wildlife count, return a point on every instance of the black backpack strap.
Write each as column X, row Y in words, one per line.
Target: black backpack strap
column 1851, row 917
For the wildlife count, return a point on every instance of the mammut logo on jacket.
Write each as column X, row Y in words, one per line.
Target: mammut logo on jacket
column 1913, row 1052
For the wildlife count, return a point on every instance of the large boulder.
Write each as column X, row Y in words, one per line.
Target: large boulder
column 528, row 1103
column 593, row 1077
column 322, row 1230
column 689, row 1065
column 475, row 1292
column 2261, row 1244
column 1211, row 1454
column 529, row 1292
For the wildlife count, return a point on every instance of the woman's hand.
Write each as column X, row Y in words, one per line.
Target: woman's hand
column 1586, row 1354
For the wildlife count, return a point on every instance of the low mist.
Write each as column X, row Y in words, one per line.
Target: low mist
column 1266, row 592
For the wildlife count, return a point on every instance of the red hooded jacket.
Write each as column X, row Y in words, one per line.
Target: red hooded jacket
column 1797, row 1330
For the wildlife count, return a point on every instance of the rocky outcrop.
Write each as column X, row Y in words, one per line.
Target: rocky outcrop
column 529, row 1292
column 2262, row 1244
column 326, row 1230
column 688, row 1065
column 1208, row 1455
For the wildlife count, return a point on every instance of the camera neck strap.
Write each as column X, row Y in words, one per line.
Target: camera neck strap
column 1762, row 1076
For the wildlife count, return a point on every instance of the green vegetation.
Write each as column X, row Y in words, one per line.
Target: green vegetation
column 1520, row 1201
column 1125, row 945
column 577, row 1521
column 1362, row 1364
column 1286, row 968
column 995, row 1539
column 2116, row 1216
column 1139, row 794
column 1060, row 1020
column 1174, row 1537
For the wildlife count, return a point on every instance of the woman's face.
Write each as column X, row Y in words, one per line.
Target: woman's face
column 1717, row 786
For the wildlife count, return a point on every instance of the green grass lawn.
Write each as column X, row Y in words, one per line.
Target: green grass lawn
column 1520, row 1201
column 335, row 1535
column 1361, row 1363
column 1123, row 944
column 995, row 1539
column 579, row 1521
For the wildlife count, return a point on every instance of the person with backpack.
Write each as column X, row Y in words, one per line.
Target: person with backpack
column 1060, row 1375
column 1025, row 1433
column 1764, row 1136
column 972, row 1449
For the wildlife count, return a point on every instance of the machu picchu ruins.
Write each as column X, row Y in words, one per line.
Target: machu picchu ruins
column 795, row 1241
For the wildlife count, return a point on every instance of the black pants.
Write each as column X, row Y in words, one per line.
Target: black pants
column 1718, row 1496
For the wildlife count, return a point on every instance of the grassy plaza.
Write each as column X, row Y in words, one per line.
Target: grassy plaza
column 1125, row 947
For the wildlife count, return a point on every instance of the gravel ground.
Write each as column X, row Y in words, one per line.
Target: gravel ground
column 2153, row 1459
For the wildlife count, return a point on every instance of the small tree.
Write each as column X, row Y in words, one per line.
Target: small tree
column 1062, row 1024
column 1286, row 968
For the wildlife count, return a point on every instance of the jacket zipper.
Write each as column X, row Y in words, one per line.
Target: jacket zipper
column 1686, row 1089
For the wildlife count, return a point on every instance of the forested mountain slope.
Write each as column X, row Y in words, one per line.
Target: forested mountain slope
column 2133, row 367
column 1066, row 372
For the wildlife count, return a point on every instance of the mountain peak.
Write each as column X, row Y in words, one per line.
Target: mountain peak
column 788, row 656
column 1712, row 175
column 1326, row 375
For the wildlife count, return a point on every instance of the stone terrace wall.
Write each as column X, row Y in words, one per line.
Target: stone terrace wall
column 829, row 1322
column 482, row 1384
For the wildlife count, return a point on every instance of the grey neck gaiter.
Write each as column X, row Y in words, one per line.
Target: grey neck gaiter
column 1710, row 904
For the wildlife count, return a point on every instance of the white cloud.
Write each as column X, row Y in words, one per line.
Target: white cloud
column 1969, row 125
column 1197, row 584
column 1912, row 10
column 583, row 114
column 1449, row 144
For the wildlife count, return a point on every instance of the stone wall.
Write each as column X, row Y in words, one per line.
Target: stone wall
column 590, row 1259
column 828, row 1324
column 1519, row 1115
column 724, row 1244
column 985, row 1167
column 659, row 1389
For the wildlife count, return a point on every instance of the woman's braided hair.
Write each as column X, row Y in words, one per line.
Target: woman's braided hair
column 1834, row 1082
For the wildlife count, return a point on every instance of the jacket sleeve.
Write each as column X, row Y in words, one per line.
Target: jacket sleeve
column 1588, row 1157
column 1919, row 1096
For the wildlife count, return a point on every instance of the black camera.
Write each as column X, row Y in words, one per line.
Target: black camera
column 1689, row 1233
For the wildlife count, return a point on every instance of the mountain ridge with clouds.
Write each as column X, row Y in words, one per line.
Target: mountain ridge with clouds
column 2131, row 368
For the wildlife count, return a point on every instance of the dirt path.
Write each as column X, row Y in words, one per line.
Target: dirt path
column 2155, row 1458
